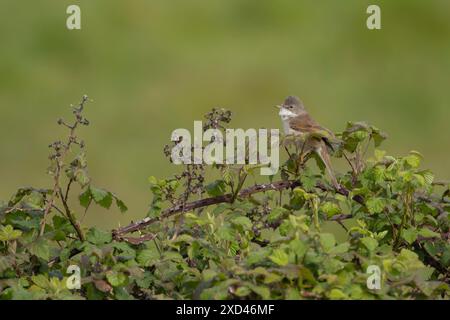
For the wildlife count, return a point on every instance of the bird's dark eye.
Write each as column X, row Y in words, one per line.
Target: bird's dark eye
column 290, row 107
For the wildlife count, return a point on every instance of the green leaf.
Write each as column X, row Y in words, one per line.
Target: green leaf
column 7, row 233
column 148, row 257
column 327, row 241
column 337, row 294
column 427, row 233
column 308, row 182
column 375, row 205
column 298, row 247
column 292, row 294
column 98, row 237
column 216, row 188
column 41, row 281
column 340, row 248
column 242, row 291
column 263, row 292
column 276, row 214
column 40, row 249
column 410, row 235
column 85, row 198
column 413, row 159
column 330, row 209
column 121, row 205
column 225, row 232
column 101, row 197
column 6, row 262
column 378, row 138
column 152, row 180
column 82, row 177
column 243, row 221
column 256, row 257
column 116, row 279
column 370, row 243
column 279, row 257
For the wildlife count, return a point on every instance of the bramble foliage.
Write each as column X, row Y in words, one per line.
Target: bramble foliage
column 230, row 239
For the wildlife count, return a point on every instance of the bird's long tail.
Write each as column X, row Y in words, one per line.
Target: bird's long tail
column 325, row 157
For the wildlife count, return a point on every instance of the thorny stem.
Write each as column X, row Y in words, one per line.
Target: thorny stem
column 350, row 163
column 279, row 185
column 71, row 217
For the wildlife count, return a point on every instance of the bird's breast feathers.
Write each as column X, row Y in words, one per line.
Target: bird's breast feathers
column 286, row 115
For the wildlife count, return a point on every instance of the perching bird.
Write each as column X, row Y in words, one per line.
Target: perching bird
column 297, row 121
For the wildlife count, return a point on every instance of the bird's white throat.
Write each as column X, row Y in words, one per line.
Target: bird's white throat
column 286, row 114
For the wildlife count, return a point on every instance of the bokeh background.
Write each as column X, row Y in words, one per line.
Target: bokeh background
column 154, row 65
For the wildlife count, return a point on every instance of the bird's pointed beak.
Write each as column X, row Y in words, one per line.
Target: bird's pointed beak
column 278, row 106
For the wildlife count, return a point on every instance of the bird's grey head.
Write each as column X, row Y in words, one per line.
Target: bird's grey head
column 291, row 107
column 293, row 104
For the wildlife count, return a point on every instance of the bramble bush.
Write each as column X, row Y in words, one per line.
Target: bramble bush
column 228, row 238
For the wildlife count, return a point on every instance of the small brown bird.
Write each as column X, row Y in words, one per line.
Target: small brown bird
column 297, row 121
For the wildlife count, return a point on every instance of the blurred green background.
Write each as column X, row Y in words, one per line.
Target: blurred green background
column 153, row 66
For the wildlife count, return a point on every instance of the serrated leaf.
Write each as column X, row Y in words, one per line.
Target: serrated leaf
column 413, row 159
column 85, row 198
column 98, row 237
column 242, row 291
column 40, row 249
column 243, row 221
column 370, row 243
column 263, row 292
column 148, row 257
column 375, row 205
column 152, row 180
column 279, row 257
column 216, row 188
column 121, row 205
column 41, row 281
column 340, row 248
column 116, row 279
column 378, row 138
column 101, row 197
column 327, row 241
column 427, row 233
column 7, row 233
column 410, row 235
column 427, row 175
column 298, row 248
column 276, row 214
column 82, row 177
column 308, row 182
column 337, row 294
column 330, row 209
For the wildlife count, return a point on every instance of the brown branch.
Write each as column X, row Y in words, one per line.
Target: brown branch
column 227, row 198
column 72, row 219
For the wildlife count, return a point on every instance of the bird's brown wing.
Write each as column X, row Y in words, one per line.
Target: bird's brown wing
column 303, row 123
